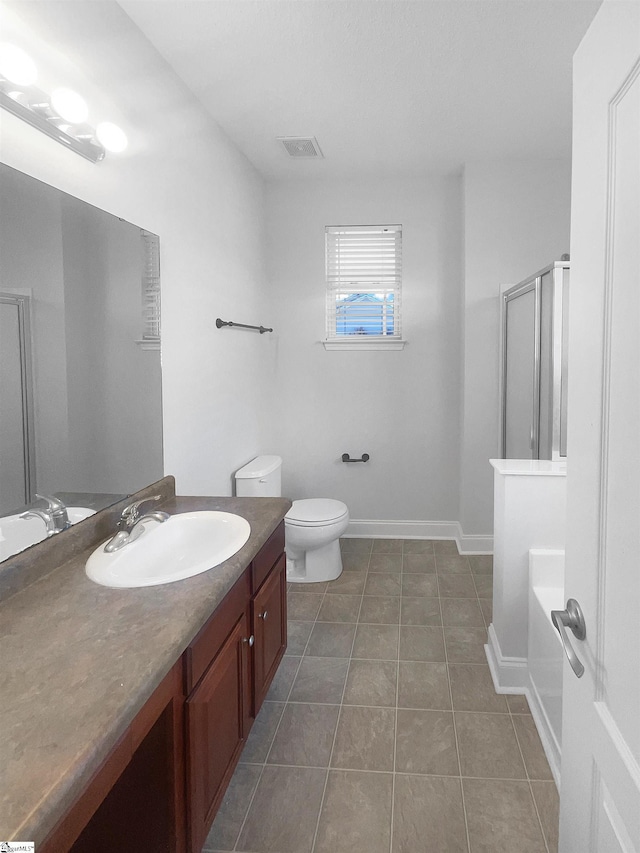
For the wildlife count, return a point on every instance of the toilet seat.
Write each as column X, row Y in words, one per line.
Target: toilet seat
column 315, row 512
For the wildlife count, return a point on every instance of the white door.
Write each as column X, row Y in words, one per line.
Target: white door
column 600, row 790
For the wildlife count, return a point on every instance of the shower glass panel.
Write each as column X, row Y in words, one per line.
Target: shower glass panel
column 16, row 456
column 545, row 438
column 520, row 391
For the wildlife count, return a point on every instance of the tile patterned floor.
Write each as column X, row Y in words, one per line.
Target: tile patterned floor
column 382, row 732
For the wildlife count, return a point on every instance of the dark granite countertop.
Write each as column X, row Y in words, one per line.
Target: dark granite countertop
column 80, row 660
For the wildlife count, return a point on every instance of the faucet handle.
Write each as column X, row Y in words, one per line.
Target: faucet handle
column 53, row 504
column 131, row 512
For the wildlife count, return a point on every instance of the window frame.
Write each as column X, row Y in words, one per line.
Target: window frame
column 334, row 285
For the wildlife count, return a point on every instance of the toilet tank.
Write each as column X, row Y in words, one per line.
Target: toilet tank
column 260, row 478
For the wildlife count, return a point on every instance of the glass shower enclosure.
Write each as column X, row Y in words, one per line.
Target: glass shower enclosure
column 534, row 365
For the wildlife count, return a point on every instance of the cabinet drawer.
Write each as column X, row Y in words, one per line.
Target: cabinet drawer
column 208, row 642
column 267, row 556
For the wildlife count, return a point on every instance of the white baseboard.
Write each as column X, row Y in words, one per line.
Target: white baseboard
column 510, row 675
column 467, row 544
column 548, row 739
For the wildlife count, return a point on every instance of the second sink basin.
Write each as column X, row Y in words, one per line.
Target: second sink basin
column 187, row 544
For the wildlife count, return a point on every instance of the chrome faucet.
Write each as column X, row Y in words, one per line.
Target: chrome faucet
column 130, row 525
column 54, row 516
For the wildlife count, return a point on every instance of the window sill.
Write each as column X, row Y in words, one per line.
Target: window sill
column 362, row 343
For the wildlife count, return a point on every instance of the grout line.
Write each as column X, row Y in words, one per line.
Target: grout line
column 455, row 728
column 335, row 733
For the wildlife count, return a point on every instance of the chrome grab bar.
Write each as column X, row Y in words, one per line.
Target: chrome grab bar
column 572, row 618
column 220, row 323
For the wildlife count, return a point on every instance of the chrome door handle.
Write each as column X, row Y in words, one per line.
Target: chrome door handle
column 263, row 615
column 572, row 618
column 250, row 640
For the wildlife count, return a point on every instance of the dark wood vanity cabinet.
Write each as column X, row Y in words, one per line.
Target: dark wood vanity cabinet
column 230, row 666
column 164, row 782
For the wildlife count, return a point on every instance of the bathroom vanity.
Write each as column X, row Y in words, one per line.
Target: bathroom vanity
column 125, row 710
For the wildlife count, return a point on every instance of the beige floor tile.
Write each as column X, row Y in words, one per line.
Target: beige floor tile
column 423, row 685
column 353, row 545
column 380, row 609
column 420, row 611
column 331, row 640
column 371, row 682
column 488, row 746
column 320, row 680
column 262, row 733
column 385, row 563
column 283, row 679
column 484, row 585
column 454, row 585
column 486, row 605
column 428, row 815
column 419, row 564
column 445, row 547
column 297, row 636
column 425, row 743
column 383, row 584
column 305, row 735
column 546, row 798
column 535, row 759
column 518, row 704
column 364, row 739
column 228, row 822
column 387, row 546
column 420, row 585
column 356, row 814
column 421, row 643
column 446, row 563
column 379, row 642
column 308, row 588
column 349, row 583
column 417, row 546
column 481, row 564
column 472, row 689
column 501, row 817
column 303, row 606
column 465, row 645
column 284, row 792
column 339, row 608
column 355, row 561
column 462, row 612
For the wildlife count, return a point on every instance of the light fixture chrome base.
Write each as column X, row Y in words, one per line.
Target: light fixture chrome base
column 33, row 106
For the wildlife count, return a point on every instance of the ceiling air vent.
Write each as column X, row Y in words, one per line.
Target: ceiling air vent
column 301, row 146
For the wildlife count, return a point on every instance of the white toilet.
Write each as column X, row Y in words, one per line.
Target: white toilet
column 312, row 527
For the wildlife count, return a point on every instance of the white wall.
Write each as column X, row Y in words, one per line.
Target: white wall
column 516, row 221
column 182, row 179
column 400, row 407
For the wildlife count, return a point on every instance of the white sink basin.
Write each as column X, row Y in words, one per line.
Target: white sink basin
column 17, row 533
column 185, row 545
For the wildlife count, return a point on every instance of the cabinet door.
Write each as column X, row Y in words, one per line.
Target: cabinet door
column 218, row 720
column 270, row 629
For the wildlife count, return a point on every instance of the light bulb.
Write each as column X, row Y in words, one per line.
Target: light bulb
column 111, row 136
column 17, row 66
column 69, row 105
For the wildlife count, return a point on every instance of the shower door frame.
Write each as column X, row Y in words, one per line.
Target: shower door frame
column 559, row 272
column 23, row 305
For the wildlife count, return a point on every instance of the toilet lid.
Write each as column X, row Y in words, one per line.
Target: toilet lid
column 315, row 511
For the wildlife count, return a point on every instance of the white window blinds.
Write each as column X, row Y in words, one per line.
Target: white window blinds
column 151, row 289
column 364, row 272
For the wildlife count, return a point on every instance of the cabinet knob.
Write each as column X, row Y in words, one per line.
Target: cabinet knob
column 263, row 615
column 251, row 640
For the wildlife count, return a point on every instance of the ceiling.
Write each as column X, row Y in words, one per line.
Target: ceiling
column 388, row 87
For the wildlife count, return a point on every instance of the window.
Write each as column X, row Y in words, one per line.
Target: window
column 364, row 270
column 150, row 291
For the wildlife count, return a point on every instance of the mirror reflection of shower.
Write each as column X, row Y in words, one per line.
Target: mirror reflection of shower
column 80, row 377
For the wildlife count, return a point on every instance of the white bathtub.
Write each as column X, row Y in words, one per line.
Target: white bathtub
column 545, row 654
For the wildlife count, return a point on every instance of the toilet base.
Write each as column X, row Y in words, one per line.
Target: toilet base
column 316, row 565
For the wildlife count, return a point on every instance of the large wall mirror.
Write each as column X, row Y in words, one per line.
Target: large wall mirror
column 80, row 376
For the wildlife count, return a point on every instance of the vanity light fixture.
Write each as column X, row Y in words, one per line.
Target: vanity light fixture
column 61, row 115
